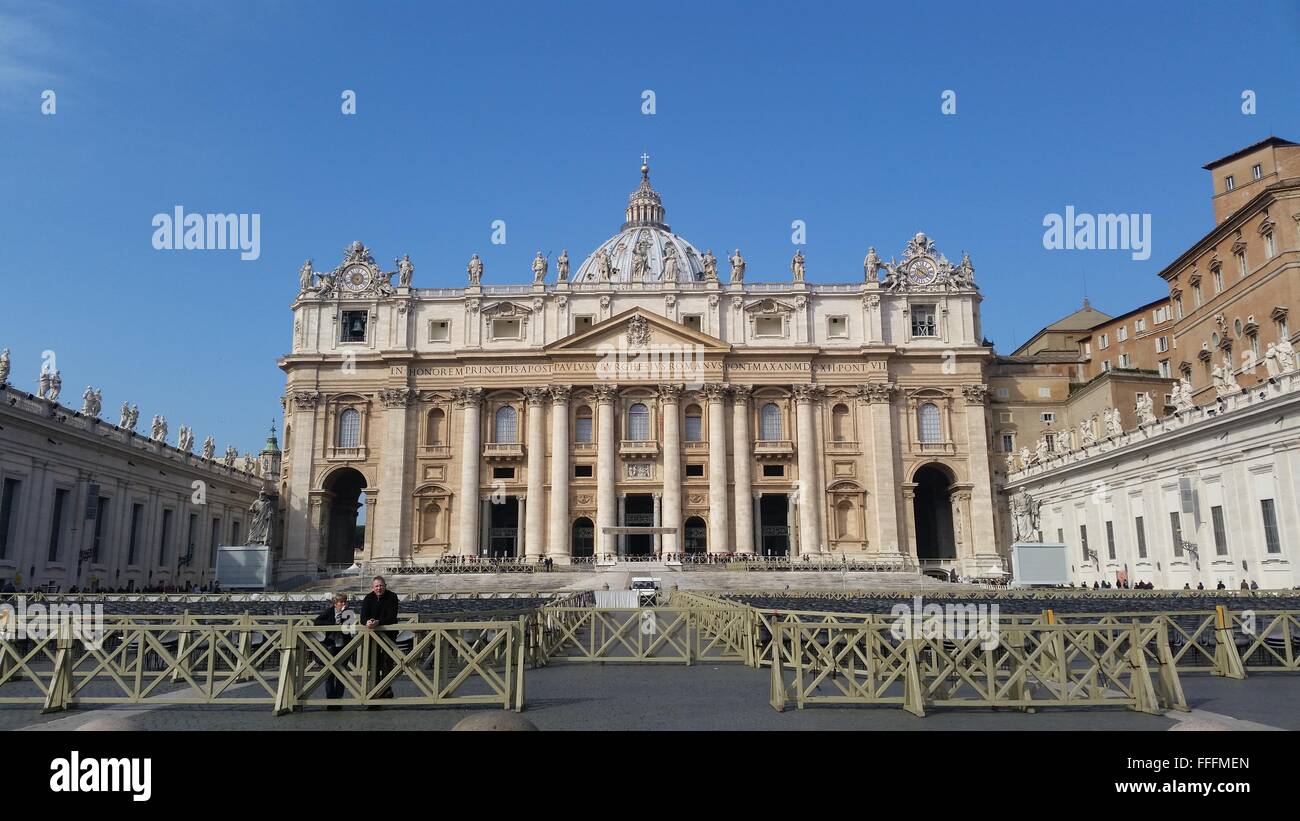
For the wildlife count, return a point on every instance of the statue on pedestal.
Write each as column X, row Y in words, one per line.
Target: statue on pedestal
column 738, row 265
column 1145, row 409
column 405, row 270
column 4, row 367
column 305, row 274
column 797, row 266
column 261, row 515
column 209, row 448
column 475, row 269
column 1024, row 518
column 871, row 265
column 539, row 268
column 562, row 266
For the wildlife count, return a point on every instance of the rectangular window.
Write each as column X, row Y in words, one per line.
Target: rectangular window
column 773, row 470
column 1049, row 417
column 1104, row 342
column 1196, row 295
column 164, row 537
column 1044, row 393
column 1060, row 536
column 923, row 321
column 1162, row 344
column 1110, row 541
column 503, row 473
column 1272, row 539
column 1122, row 333
column 1241, row 264
column 214, row 541
column 693, row 321
column 694, row 428
column 1178, row 308
column 582, row 429
column 1141, row 537
column 838, row 326
column 505, row 329
column 1257, row 170
column 582, row 471
column 1125, row 361
column 1050, row 439
column 354, row 326
column 1008, row 443
column 1176, row 532
column 1003, row 393
column 56, row 523
column 1140, row 325
column 581, row 323
column 1166, row 370
column 1228, row 183
column 1083, row 541
column 8, row 521
column 1220, row 531
column 101, row 513
column 769, row 326
column 192, row 538
column 1218, row 280
column 695, row 470
column 1105, row 365
column 439, row 330
column 137, row 513
column 1270, row 247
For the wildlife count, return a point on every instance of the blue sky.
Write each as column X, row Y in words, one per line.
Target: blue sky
column 531, row 113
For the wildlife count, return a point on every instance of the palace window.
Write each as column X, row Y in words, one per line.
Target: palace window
column 694, row 471
column 1104, row 341
column 1140, row 324
column 694, row 424
column 582, row 471
column 1125, row 361
column 581, row 323
column 505, row 329
column 507, row 425
column 1048, row 417
column 1008, row 443
column 1228, row 183
column 1162, row 344
column 1105, row 365
column 1121, row 333
column 927, row 417
column 769, row 422
column 1218, row 280
column 8, row 500
column 1220, row 531
column 1270, row 247
column 1176, row 532
column 923, row 321
column 638, row 423
column 1141, row 536
column 350, row 428
column 56, row 523
column 582, row 425
column 354, row 326
column 1165, row 369
column 837, row 326
column 774, row 470
column 1271, row 539
column 1196, row 295
column 693, row 321
column 769, row 326
column 1257, row 170
column 503, row 473
column 439, row 330
column 1241, row 263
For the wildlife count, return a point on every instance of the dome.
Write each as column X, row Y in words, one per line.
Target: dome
column 646, row 237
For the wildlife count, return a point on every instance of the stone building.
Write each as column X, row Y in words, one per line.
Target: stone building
column 88, row 503
column 644, row 388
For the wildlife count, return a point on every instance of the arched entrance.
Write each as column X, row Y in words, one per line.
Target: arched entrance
column 343, row 523
column 696, row 533
column 583, row 538
column 933, row 513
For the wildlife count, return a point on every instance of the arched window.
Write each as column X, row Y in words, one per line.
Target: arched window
column 638, row 423
column 694, row 424
column 840, row 423
column 928, row 420
column 350, row 429
column 769, row 422
column 582, row 425
column 434, row 427
column 506, row 428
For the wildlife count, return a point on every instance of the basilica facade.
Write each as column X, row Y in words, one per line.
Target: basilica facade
column 644, row 388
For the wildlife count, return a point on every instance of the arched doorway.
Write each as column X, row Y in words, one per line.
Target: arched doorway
column 933, row 513
column 696, row 533
column 344, row 519
column 583, row 538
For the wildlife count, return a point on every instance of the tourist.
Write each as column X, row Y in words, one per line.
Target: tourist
column 1200, row 585
column 1254, row 585
column 334, row 615
column 378, row 609
column 1220, row 585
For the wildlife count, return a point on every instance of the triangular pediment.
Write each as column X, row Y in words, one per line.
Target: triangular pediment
column 637, row 328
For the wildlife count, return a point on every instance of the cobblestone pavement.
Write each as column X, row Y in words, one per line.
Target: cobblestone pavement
column 704, row 697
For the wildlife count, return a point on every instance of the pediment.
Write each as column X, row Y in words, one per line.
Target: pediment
column 635, row 329
column 768, row 306
column 506, row 308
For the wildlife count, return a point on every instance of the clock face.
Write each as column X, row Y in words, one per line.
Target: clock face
column 922, row 272
column 357, row 277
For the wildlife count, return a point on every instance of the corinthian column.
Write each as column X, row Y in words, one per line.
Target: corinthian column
column 392, row 522
column 606, row 465
column 471, row 446
column 535, row 513
column 669, row 405
column 558, row 544
column 879, row 396
column 983, row 543
column 742, row 462
column 809, row 522
column 719, row 531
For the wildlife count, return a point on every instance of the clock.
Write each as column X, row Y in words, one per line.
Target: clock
column 356, row 278
column 922, row 271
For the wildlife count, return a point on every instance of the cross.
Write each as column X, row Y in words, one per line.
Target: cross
column 645, row 159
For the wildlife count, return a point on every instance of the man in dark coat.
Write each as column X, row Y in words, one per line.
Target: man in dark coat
column 336, row 614
column 378, row 609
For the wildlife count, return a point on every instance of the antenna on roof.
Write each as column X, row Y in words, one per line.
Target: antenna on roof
column 1084, row 273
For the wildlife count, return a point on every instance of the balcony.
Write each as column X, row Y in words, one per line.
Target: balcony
column 435, row 451
column 503, row 450
column 347, row 454
column 701, row 446
column 584, row 447
column 633, row 447
column 773, row 448
column 842, row 446
column 945, row 448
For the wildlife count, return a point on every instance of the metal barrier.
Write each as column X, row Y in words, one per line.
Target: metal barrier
column 281, row 665
column 1026, row 666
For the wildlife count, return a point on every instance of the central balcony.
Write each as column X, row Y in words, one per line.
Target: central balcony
column 635, row 447
column 773, row 448
column 503, row 450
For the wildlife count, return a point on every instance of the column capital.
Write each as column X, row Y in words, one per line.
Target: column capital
column 878, row 391
column 560, row 394
column 605, row 394
column 396, row 397
column 807, row 393
column 740, row 394
column 975, row 394
column 306, row 400
column 670, row 393
column 467, row 397
column 714, row 391
column 536, row 396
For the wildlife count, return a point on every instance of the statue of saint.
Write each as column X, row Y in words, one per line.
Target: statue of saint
column 796, row 266
column 88, row 403
column 305, row 274
column 562, row 266
column 56, row 385
column 1182, row 397
column 1041, row 450
column 670, row 263
column 539, row 268
column 475, row 270
column 209, row 448
column 230, row 457
column 871, row 264
column 640, row 260
column 260, row 516
column 710, row 265
column 1145, row 409
column 737, row 267
column 1024, row 518
column 1114, row 423
column 405, row 270
column 4, row 367
column 604, row 267
column 1285, row 355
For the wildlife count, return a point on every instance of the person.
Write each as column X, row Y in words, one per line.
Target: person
column 1200, row 585
column 1254, row 585
column 9, row 586
column 1220, row 585
column 378, row 609
column 335, row 614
